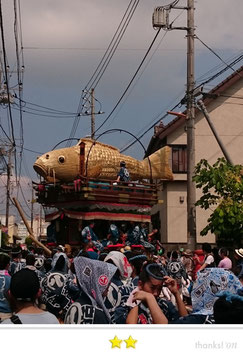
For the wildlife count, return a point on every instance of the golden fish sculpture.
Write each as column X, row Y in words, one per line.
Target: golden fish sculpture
column 100, row 161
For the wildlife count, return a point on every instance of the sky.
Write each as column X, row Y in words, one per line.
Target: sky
column 64, row 41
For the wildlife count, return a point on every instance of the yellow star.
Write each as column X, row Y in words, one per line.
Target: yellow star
column 130, row 342
column 116, row 343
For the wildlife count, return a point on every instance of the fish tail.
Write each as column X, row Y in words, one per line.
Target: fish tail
column 157, row 165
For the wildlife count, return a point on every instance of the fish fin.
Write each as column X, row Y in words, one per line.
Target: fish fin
column 160, row 165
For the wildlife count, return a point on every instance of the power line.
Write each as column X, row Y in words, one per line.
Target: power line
column 218, row 67
column 114, row 47
column 152, row 126
column 20, row 86
column 110, row 44
column 47, row 109
column 43, row 115
column 211, row 50
column 106, row 57
column 146, row 65
column 131, row 81
column 164, row 116
column 6, row 75
column 5, row 133
column 33, row 151
column 220, row 72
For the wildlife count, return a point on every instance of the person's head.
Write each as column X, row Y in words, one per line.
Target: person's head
column 4, row 261
column 123, row 164
column 174, row 255
column 94, row 277
column 223, row 252
column 123, row 227
column 60, row 264
column 30, row 259
column 124, row 269
column 32, row 249
column 239, row 254
column 16, row 252
column 40, row 251
column 102, row 256
column 228, row 309
column 206, row 248
column 187, row 253
column 137, row 262
column 47, row 264
column 91, row 224
column 60, row 249
column 151, row 278
column 24, row 288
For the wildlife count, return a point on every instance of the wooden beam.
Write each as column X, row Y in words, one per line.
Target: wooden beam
column 48, row 251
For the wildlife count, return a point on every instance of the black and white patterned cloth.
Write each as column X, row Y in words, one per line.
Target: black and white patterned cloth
column 94, row 277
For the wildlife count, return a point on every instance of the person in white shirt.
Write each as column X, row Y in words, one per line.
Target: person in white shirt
column 208, row 257
column 23, row 294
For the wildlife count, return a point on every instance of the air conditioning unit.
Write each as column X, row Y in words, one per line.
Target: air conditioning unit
column 160, row 17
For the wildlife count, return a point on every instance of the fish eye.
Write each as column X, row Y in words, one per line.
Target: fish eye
column 61, row 159
column 47, row 156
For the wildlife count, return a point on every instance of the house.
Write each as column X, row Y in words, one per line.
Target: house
column 224, row 104
column 39, row 228
column 12, row 230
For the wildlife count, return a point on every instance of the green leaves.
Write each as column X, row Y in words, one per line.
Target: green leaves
column 221, row 185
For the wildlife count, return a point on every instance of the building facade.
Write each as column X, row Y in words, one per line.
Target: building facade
column 225, row 107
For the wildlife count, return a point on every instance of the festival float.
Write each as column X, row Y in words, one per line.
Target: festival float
column 78, row 184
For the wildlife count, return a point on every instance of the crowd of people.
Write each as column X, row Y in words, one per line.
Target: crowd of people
column 124, row 284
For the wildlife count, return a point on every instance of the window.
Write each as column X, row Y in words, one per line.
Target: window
column 179, row 158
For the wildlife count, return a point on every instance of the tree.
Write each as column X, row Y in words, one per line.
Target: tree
column 28, row 241
column 222, row 187
column 5, row 238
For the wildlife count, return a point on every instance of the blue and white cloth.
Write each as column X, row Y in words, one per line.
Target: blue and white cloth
column 209, row 282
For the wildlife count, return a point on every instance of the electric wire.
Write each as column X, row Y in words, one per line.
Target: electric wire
column 213, row 77
column 106, row 58
column 234, row 62
column 130, row 83
column 20, row 86
column 5, row 70
column 46, row 109
column 7, row 136
column 218, row 67
column 21, row 33
column 16, row 107
column 33, row 151
column 113, row 48
column 145, row 67
column 147, row 130
column 211, row 50
column 109, row 46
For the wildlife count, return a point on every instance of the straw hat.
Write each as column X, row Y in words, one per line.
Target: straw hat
column 239, row 252
column 187, row 252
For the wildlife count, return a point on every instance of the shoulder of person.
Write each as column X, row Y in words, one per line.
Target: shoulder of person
column 209, row 259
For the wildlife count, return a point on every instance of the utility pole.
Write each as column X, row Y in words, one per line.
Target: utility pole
column 190, row 128
column 9, row 169
column 161, row 20
column 213, row 129
column 92, row 114
column 88, row 108
column 40, row 230
column 32, row 209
